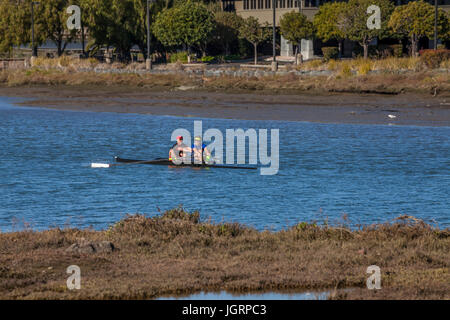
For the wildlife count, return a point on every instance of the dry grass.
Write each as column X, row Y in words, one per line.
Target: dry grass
column 176, row 253
column 387, row 65
column 353, row 76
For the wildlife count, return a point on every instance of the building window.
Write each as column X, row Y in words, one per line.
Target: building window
column 228, row 5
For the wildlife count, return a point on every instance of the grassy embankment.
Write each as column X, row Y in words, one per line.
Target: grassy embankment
column 176, row 253
column 386, row 76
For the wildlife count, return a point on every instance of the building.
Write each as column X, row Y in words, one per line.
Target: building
column 263, row 10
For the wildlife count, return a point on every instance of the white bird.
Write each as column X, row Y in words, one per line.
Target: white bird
column 392, row 116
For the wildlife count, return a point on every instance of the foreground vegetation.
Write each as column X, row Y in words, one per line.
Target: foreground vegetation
column 176, row 253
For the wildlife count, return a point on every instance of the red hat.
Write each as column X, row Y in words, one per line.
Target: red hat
column 180, row 138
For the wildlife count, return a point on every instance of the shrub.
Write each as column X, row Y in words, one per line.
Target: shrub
column 397, row 50
column 315, row 64
column 364, row 68
column 332, row 65
column 433, row 58
column 445, row 64
column 233, row 57
column 330, row 53
column 65, row 61
column 179, row 57
column 346, row 70
column 207, row 59
column 395, row 64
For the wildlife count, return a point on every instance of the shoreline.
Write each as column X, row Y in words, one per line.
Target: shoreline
column 176, row 254
column 327, row 107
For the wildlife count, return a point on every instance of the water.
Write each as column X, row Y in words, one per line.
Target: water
column 223, row 295
column 372, row 173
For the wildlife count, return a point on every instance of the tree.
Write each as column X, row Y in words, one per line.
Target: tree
column 15, row 24
column 114, row 23
column 326, row 22
column 255, row 33
column 227, row 28
column 52, row 17
column 415, row 20
column 354, row 22
column 188, row 24
column 295, row 26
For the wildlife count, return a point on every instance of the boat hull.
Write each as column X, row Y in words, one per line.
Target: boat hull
column 167, row 162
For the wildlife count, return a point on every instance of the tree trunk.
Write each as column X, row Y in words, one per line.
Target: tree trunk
column 83, row 40
column 295, row 55
column 414, row 44
column 256, row 53
column 340, row 48
column 60, row 48
column 366, row 50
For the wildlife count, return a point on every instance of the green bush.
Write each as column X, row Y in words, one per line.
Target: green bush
column 232, row 57
column 433, row 58
column 207, row 59
column 330, row 53
column 179, row 57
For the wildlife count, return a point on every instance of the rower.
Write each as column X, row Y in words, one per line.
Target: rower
column 198, row 150
column 177, row 152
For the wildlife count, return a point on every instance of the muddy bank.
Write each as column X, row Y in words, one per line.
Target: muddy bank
column 178, row 254
column 188, row 101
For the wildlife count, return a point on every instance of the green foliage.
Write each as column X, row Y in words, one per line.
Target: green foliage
column 433, row 58
column 116, row 23
column 354, row 21
column 181, row 56
column 232, row 57
column 330, row 53
column 15, row 22
column 255, row 33
column 207, row 59
column 416, row 20
column 326, row 21
column 52, row 18
column 227, row 28
column 189, row 23
column 252, row 31
column 294, row 27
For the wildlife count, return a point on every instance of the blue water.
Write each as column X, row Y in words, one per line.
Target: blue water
column 372, row 173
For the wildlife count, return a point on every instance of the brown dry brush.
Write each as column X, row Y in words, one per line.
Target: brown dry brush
column 425, row 82
column 175, row 253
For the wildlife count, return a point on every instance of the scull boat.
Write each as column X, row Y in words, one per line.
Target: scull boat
column 167, row 162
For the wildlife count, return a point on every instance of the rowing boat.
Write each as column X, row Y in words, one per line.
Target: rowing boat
column 167, row 162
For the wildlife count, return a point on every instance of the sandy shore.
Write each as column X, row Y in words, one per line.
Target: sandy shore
column 408, row 109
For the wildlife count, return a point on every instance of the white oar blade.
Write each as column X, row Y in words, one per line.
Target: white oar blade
column 99, row 165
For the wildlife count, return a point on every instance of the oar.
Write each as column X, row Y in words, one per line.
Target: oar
column 109, row 165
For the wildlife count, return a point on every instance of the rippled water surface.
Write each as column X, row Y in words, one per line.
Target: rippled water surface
column 372, row 173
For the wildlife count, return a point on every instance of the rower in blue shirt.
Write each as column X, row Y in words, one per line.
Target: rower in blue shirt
column 200, row 154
